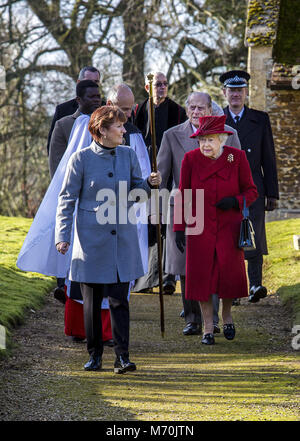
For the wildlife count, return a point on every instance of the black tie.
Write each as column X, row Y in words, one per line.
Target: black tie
column 237, row 118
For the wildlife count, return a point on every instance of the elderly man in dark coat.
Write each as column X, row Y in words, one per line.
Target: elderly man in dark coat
column 167, row 114
column 255, row 133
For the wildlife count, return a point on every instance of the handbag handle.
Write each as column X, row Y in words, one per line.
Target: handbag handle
column 245, row 209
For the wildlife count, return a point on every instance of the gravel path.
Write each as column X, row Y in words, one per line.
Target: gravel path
column 43, row 379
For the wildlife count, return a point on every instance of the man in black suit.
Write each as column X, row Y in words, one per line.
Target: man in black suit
column 70, row 107
column 255, row 134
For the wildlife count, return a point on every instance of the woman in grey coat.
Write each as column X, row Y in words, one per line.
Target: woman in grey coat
column 106, row 254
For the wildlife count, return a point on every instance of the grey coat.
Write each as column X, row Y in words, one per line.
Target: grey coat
column 59, row 140
column 101, row 252
column 175, row 143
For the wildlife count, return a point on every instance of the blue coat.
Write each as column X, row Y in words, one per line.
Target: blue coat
column 101, row 252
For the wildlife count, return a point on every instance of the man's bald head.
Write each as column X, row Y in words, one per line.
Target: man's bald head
column 121, row 95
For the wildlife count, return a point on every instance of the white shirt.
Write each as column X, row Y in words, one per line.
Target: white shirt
column 233, row 115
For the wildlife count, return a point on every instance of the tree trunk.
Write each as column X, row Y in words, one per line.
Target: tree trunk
column 135, row 29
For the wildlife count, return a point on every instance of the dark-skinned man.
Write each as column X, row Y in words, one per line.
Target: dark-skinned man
column 255, row 134
column 88, row 98
column 70, row 107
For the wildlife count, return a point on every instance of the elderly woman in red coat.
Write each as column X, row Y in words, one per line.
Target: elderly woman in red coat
column 218, row 178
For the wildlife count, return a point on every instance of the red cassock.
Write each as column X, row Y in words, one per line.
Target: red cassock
column 214, row 263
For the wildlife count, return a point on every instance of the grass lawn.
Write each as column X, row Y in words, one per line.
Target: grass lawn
column 19, row 291
column 282, row 265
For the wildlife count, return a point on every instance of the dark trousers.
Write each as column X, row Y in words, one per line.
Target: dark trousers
column 92, row 294
column 60, row 282
column 192, row 311
column 255, row 265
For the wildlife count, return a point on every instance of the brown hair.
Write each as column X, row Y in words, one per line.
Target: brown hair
column 104, row 117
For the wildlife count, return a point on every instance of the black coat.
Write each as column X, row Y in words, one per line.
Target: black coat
column 176, row 115
column 255, row 134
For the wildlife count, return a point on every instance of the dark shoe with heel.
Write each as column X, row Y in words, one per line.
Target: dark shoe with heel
column 256, row 293
column 169, row 288
column 94, row 363
column 123, row 364
column 192, row 329
column 208, row 339
column 59, row 294
column 229, row 331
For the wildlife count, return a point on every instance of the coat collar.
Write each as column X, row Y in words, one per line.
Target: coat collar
column 222, row 166
column 104, row 152
column 248, row 123
column 183, row 133
column 76, row 114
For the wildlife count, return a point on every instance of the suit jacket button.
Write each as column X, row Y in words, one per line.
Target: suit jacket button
column 110, row 174
column 113, row 232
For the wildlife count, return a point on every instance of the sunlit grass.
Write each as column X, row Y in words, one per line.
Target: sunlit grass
column 19, row 290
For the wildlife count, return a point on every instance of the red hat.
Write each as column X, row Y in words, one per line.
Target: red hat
column 209, row 125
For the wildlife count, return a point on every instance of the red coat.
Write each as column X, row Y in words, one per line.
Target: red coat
column 214, row 263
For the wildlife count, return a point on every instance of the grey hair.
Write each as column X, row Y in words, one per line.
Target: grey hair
column 223, row 138
column 216, row 109
column 209, row 102
column 87, row 69
column 114, row 92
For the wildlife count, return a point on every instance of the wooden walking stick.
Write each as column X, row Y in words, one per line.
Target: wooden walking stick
column 158, row 229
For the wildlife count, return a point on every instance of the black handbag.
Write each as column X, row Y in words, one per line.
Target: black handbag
column 247, row 234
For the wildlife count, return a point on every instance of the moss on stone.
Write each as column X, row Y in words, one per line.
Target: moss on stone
column 262, row 21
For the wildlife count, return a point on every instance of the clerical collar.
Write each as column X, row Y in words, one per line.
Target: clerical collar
column 233, row 115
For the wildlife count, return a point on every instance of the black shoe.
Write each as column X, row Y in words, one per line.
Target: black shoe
column 236, row 302
column 217, row 329
column 123, row 364
column 182, row 314
column 229, row 331
column 169, row 288
column 208, row 339
column 191, row 329
column 59, row 294
column 109, row 343
column 77, row 339
column 256, row 293
column 94, row 363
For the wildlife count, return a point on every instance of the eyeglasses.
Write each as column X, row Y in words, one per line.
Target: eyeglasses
column 159, row 84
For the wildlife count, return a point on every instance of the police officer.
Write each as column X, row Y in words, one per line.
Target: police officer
column 255, row 134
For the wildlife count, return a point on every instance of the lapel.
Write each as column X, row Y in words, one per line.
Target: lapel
column 182, row 135
column 221, row 167
column 247, row 124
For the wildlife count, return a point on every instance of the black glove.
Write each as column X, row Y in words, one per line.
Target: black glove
column 227, row 203
column 271, row 204
column 180, row 240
